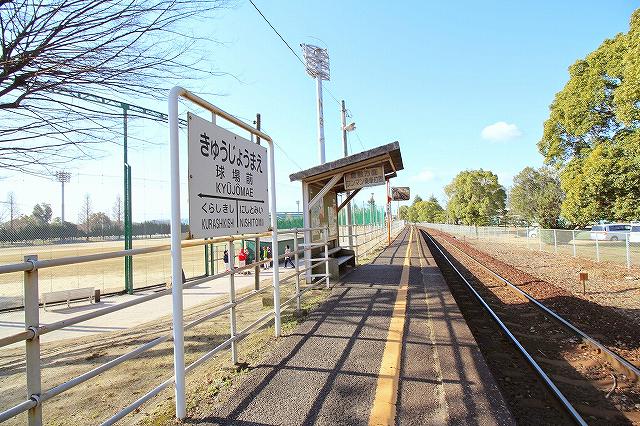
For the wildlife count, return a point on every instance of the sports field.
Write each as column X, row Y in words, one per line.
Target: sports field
column 106, row 275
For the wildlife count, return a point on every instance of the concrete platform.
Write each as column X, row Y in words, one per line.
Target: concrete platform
column 389, row 346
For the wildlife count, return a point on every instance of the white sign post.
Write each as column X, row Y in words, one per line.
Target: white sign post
column 176, row 245
column 372, row 176
column 227, row 182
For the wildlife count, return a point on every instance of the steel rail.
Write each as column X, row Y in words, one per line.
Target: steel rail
column 550, row 384
column 632, row 371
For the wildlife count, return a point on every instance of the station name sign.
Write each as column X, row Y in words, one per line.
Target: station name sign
column 227, row 182
column 372, row 176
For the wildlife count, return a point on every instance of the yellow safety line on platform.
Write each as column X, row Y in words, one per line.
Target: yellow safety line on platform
column 383, row 411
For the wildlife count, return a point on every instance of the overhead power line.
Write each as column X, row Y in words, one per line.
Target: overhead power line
column 276, row 31
column 299, row 60
column 288, row 45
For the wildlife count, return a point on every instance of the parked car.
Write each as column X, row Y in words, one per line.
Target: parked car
column 634, row 234
column 610, row 232
column 533, row 232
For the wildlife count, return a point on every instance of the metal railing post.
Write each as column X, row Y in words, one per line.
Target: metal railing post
column 626, row 241
column 326, row 256
column 555, row 242
column 212, row 259
column 232, row 301
column 540, row 239
column 355, row 246
column 256, row 270
column 597, row 249
column 206, row 260
column 32, row 346
column 573, row 239
column 297, row 268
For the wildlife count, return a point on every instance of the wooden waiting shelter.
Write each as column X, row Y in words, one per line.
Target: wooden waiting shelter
column 322, row 184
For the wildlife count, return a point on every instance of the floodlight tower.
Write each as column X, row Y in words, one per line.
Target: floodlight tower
column 63, row 177
column 317, row 63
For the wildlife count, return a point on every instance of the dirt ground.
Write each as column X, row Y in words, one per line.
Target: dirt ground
column 609, row 284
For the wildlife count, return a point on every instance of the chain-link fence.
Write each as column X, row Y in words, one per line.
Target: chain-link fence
column 617, row 247
column 363, row 215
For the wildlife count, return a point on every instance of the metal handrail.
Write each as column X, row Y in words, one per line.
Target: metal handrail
column 72, row 260
column 33, row 333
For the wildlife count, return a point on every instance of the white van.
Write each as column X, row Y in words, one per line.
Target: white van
column 634, row 235
column 610, row 232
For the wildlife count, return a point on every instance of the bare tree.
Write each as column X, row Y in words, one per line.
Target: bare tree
column 84, row 219
column 12, row 206
column 117, row 211
column 130, row 49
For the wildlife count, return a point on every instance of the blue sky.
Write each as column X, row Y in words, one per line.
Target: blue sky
column 431, row 75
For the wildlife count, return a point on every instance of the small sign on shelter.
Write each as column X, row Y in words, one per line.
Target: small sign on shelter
column 372, row 176
column 227, row 182
column 400, row 193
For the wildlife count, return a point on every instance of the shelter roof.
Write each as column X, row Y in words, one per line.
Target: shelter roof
column 388, row 156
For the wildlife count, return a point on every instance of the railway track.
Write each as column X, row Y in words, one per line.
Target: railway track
column 590, row 383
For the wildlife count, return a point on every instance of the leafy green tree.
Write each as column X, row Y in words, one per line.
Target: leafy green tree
column 475, row 198
column 413, row 213
column 428, row 211
column 591, row 134
column 536, row 196
column 42, row 213
column 403, row 213
column 416, row 200
column 99, row 224
column 605, row 184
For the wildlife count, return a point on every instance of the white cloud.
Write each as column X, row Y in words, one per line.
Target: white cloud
column 424, row 176
column 500, row 132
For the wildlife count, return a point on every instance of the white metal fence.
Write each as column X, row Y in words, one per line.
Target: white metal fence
column 576, row 242
column 32, row 365
column 367, row 237
column 36, row 396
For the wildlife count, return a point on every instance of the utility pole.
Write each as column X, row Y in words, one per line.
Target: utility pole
column 258, row 127
column 321, row 154
column 317, row 64
column 298, row 204
column 346, row 153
